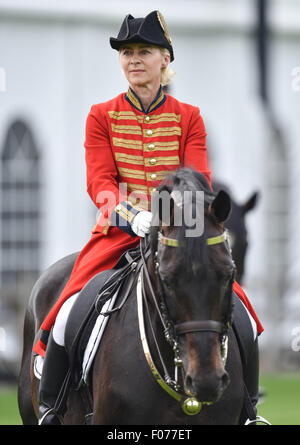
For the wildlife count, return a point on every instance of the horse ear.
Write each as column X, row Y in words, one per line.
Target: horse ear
column 251, row 203
column 221, row 206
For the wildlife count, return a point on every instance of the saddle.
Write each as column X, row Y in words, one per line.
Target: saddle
column 90, row 302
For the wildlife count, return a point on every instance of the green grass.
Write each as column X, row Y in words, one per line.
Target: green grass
column 9, row 413
column 282, row 402
column 280, row 407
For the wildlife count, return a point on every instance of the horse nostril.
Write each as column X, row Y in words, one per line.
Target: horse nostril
column 208, row 387
column 188, row 383
column 225, row 379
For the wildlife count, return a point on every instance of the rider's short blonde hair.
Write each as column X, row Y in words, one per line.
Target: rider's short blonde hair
column 166, row 73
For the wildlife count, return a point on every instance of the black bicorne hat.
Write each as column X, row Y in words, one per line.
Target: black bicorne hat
column 151, row 29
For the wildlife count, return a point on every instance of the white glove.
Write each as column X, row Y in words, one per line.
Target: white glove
column 141, row 223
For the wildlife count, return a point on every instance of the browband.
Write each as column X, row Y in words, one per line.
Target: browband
column 211, row 241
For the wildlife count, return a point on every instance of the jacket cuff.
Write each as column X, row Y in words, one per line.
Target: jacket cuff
column 122, row 217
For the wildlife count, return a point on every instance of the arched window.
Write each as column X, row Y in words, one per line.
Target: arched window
column 20, row 210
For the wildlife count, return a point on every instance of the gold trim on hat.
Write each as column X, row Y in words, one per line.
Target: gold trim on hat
column 164, row 27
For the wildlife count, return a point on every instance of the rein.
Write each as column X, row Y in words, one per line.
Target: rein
column 190, row 405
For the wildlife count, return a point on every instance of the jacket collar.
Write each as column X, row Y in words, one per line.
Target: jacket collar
column 135, row 101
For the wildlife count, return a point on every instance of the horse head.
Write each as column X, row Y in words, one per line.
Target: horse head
column 194, row 275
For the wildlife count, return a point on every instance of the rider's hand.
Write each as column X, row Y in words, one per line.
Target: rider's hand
column 141, row 223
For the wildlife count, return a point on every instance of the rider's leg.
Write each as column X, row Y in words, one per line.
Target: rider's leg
column 55, row 368
column 245, row 329
column 251, row 373
column 251, row 380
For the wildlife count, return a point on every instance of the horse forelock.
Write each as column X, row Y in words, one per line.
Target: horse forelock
column 192, row 249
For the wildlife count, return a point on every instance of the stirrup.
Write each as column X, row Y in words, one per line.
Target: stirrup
column 259, row 419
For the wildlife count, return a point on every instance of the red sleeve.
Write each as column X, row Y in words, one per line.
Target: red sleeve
column 101, row 171
column 195, row 155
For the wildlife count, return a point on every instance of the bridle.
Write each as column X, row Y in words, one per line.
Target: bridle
column 190, row 406
column 195, row 326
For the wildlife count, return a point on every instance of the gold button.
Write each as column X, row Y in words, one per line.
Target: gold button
column 152, row 161
column 151, row 146
column 147, row 118
column 118, row 207
column 153, row 176
column 149, row 132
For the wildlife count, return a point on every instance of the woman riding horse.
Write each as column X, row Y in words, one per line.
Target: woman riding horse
column 132, row 142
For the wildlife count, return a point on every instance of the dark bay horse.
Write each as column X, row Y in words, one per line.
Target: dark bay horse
column 170, row 351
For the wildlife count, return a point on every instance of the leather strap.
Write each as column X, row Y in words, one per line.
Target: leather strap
column 200, row 326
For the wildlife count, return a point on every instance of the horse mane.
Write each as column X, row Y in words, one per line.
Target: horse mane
column 192, row 250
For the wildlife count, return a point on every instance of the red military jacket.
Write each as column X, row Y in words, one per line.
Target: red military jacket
column 138, row 148
column 129, row 152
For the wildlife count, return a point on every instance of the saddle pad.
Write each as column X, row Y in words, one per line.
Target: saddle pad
column 92, row 345
column 82, row 308
column 95, row 338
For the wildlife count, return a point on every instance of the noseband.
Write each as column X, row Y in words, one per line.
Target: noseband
column 190, row 406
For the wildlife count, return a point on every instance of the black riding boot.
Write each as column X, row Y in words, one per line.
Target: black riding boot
column 55, row 369
column 250, row 358
column 251, row 378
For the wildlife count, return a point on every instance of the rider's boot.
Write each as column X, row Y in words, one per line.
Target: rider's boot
column 55, row 369
column 251, row 375
column 248, row 345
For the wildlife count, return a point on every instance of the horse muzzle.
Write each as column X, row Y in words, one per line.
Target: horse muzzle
column 206, row 389
column 205, row 381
